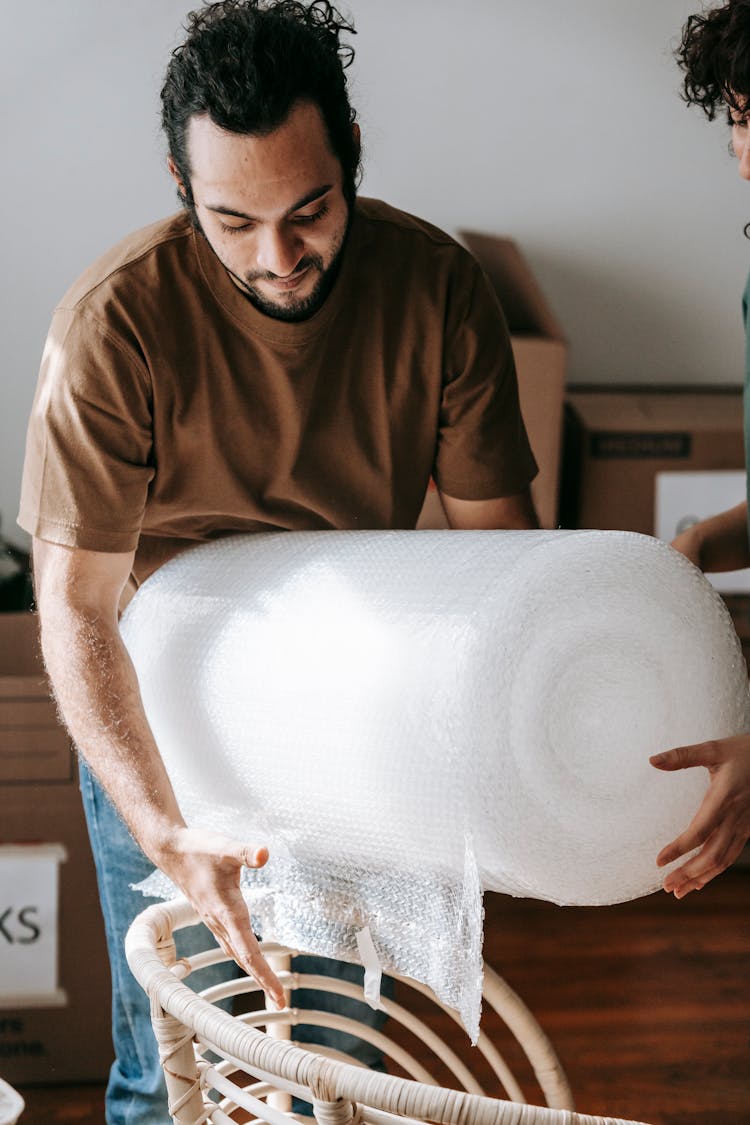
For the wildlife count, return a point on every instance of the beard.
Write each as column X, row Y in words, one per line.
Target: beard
column 297, row 308
column 294, row 308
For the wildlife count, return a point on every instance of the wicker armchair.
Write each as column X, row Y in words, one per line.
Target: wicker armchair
column 261, row 1070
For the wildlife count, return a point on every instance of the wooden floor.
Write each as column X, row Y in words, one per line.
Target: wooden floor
column 647, row 1003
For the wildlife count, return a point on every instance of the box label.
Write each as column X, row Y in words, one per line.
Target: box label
column 16, row 1043
column 29, row 893
column 636, row 445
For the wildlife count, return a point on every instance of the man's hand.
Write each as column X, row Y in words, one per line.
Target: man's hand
column 207, row 866
column 721, row 827
column 96, row 687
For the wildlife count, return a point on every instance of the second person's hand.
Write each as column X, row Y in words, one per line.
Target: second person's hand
column 721, row 826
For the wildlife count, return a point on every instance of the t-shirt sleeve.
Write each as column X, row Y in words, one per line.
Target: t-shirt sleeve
column 89, row 456
column 483, row 451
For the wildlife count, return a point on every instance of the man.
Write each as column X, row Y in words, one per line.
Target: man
column 277, row 356
column 715, row 56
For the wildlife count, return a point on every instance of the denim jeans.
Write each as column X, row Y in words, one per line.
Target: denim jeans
column 136, row 1094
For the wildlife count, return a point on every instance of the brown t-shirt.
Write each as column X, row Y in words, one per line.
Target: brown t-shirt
column 170, row 411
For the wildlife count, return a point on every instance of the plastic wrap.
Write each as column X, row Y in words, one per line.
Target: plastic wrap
column 407, row 719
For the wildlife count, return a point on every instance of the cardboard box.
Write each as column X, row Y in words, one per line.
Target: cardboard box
column 65, row 1037
column 617, row 441
column 540, row 352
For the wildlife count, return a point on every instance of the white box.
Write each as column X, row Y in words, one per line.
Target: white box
column 685, row 498
column 29, row 897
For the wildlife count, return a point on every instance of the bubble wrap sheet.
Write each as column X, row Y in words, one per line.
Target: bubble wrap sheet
column 408, row 718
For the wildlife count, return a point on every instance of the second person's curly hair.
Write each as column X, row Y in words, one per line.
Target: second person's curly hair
column 714, row 54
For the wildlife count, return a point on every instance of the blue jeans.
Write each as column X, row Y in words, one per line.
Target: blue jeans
column 136, row 1094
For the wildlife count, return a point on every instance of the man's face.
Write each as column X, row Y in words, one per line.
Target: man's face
column 272, row 208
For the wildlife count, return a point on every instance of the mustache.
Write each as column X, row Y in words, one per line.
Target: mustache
column 265, row 275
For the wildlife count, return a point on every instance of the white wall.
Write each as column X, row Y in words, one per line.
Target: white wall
column 558, row 124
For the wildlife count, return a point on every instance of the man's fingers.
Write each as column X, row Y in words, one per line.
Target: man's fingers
column 207, row 866
column 232, row 930
column 253, row 961
column 249, row 957
column 247, row 855
column 257, row 857
column 224, row 847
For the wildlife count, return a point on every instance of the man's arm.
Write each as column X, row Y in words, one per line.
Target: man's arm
column 721, row 826
column 504, row 513
column 96, row 688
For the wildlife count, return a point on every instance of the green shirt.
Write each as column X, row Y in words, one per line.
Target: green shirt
column 746, row 399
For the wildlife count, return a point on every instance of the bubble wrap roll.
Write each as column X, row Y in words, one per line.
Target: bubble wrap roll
column 408, row 718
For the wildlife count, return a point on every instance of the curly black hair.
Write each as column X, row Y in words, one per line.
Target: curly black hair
column 714, row 53
column 246, row 62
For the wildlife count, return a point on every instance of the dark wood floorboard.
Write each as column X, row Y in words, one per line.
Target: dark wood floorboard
column 647, row 1003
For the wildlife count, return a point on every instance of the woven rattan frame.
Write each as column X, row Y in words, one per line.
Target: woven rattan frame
column 187, row 1025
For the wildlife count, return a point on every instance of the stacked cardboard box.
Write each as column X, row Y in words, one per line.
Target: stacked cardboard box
column 618, row 441
column 540, row 352
column 63, row 1036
